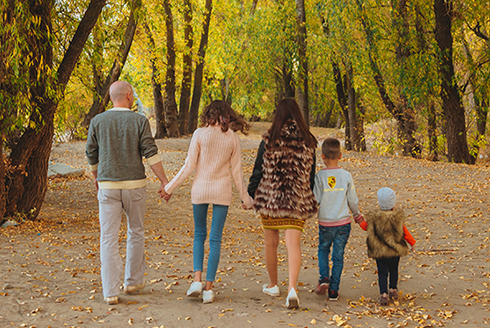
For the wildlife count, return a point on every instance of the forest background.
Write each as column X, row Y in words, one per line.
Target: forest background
column 412, row 74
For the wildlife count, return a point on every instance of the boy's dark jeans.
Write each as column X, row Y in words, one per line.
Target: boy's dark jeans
column 337, row 236
column 385, row 267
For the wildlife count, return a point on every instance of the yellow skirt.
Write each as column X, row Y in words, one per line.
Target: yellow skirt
column 282, row 223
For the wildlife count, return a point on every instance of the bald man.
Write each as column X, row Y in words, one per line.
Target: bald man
column 117, row 141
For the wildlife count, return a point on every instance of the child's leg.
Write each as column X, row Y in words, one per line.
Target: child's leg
column 215, row 236
column 339, row 242
column 383, row 269
column 200, row 233
column 393, row 268
column 271, row 242
column 293, row 244
column 325, row 240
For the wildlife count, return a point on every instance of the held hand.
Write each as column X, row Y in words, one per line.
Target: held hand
column 245, row 207
column 412, row 249
column 359, row 218
column 167, row 197
column 163, row 194
column 96, row 184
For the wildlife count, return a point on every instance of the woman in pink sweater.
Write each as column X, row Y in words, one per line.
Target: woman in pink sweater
column 214, row 147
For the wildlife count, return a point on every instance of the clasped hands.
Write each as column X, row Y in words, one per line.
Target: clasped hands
column 163, row 194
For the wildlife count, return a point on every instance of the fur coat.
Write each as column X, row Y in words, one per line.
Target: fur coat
column 385, row 234
column 284, row 189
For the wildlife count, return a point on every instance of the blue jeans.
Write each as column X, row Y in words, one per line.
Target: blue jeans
column 337, row 236
column 200, row 233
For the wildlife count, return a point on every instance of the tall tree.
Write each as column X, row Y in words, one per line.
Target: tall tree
column 352, row 109
column 400, row 22
column 302, row 85
column 170, row 103
column 340, row 87
column 185, row 90
column 158, row 107
column 404, row 119
column 457, row 145
column 28, row 160
column 478, row 90
column 101, row 96
column 199, row 72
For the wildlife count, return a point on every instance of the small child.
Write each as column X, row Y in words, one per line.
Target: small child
column 387, row 241
column 335, row 193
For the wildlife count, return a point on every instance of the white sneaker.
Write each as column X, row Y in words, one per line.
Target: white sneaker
column 111, row 300
column 134, row 289
column 272, row 291
column 195, row 289
column 292, row 301
column 207, row 296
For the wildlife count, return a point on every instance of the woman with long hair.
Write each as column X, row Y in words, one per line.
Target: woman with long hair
column 281, row 184
column 213, row 149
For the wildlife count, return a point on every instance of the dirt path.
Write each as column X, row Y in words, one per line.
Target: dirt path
column 50, row 269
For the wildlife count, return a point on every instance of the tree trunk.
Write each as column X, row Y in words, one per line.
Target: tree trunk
column 432, row 135
column 405, row 120
column 360, row 127
column 422, row 46
column 170, row 104
column 339, row 85
column 351, row 106
column 3, row 167
column 402, row 53
column 27, row 188
column 284, row 81
column 303, row 60
column 480, row 100
column 198, row 74
column 158, row 108
column 161, row 129
column 185, row 93
column 102, row 97
column 457, row 144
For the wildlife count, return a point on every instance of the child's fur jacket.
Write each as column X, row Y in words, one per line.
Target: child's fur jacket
column 385, row 234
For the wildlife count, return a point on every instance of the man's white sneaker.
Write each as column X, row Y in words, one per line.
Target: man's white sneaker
column 272, row 291
column 195, row 289
column 134, row 289
column 207, row 296
column 292, row 301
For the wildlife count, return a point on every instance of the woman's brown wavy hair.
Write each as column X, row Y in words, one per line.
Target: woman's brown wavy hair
column 288, row 109
column 220, row 112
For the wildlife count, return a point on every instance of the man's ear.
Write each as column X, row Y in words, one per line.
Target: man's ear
column 340, row 155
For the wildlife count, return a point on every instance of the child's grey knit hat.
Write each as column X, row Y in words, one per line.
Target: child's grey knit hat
column 386, row 198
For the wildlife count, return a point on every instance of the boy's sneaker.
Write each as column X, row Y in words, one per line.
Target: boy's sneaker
column 322, row 288
column 333, row 295
column 393, row 294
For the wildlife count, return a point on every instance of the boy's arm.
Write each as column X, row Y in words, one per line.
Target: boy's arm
column 352, row 200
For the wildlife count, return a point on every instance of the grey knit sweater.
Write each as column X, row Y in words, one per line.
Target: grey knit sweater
column 117, row 141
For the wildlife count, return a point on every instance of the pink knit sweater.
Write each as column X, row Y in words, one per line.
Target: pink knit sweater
column 211, row 153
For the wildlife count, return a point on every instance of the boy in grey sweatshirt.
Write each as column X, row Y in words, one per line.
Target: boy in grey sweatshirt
column 335, row 193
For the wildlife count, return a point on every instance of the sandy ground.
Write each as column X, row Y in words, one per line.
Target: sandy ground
column 50, row 269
